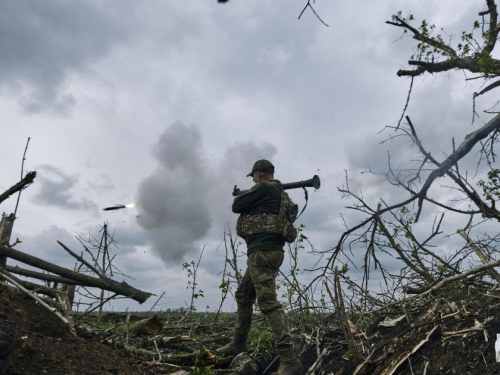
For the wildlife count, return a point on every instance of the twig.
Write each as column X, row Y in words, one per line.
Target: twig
column 425, row 367
column 272, row 363
column 96, row 307
column 128, row 328
column 308, row 5
column 406, row 104
column 319, row 361
column 479, row 253
column 79, row 258
column 158, row 300
column 478, row 327
column 338, row 302
column 157, row 350
column 441, row 284
column 22, row 171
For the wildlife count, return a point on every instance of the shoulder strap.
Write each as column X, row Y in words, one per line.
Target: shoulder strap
column 306, row 194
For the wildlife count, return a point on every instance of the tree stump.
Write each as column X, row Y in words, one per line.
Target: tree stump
column 6, row 225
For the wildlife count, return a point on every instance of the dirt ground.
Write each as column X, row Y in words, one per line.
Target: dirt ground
column 34, row 341
column 461, row 331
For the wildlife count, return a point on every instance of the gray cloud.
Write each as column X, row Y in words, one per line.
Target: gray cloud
column 102, row 184
column 44, row 245
column 42, row 42
column 55, row 190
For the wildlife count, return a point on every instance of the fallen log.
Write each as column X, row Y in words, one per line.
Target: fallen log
column 176, row 340
column 149, row 326
column 103, row 283
column 42, row 276
column 190, row 358
column 36, row 288
column 142, row 352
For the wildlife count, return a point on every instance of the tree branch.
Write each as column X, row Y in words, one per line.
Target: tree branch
column 23, row 184
column 493, row 31
column 470, row 141
column 419, row 36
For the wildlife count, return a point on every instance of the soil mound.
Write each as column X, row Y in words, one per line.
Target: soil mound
column 34, row 341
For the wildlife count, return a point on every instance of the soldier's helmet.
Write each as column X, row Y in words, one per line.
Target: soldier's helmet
column 262, row 165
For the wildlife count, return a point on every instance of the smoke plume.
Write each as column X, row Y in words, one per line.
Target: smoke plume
column 184, row 198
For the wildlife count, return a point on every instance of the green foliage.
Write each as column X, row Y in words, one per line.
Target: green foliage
column 191, row 269
column 485, row 63
column 301, row 237
column 442, row 269
column 432, row 46
column 224, row 286
column 344, row 269
column 291, row 287
column 362, row 321
column 199, row 364
column 263, row 338
column 491, row 187
column 347, row 356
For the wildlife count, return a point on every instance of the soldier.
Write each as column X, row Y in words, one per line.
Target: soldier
column 261, row 226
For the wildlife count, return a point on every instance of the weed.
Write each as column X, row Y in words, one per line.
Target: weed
column 262, row 339
column 199, row 364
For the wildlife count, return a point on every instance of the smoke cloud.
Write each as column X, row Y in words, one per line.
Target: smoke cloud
column 185, row 197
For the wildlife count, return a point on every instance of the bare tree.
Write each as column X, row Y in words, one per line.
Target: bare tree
column 388, row 227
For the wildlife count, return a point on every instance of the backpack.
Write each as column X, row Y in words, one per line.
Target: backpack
column 289, row 211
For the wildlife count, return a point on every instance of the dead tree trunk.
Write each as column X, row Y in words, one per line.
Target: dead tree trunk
column 104, row 255
column 6, row 225
column 104, row 283
column 65, row 299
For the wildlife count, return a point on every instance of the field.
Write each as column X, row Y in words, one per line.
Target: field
column 452, row 335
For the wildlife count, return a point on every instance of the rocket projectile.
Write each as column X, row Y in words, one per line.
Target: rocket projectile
column 115, row 207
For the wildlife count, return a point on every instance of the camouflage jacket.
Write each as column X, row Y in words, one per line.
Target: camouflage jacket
column 264, row 222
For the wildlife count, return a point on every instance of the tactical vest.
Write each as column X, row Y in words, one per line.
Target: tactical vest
column 263, row 223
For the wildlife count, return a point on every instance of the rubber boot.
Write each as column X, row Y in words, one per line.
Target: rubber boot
column 239, row 342
column 289, row 363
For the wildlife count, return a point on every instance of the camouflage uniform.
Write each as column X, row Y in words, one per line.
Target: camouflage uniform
column 265, row 256
column 259, row 282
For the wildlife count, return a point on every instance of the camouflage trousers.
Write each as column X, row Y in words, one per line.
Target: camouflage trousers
column 259, row 283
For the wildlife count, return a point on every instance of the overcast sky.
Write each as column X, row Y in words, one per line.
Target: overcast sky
column 168, row 104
